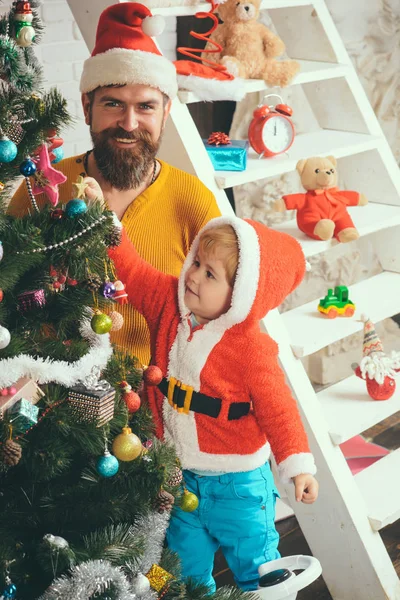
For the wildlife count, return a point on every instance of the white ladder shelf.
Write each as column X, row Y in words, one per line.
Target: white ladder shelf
column 342, row 527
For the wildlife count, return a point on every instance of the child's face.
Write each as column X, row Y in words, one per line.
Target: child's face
column 207, row 292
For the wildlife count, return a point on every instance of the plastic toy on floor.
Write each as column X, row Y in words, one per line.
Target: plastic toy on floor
column 337, row 303
column 377, row 368
column 278, row 580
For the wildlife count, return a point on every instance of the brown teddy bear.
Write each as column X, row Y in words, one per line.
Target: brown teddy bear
column 249, row 48
column 322, row 211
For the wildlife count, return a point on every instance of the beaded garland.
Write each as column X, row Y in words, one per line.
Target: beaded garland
column 70, row 239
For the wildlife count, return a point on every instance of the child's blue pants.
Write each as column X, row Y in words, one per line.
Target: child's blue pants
column 236, row 512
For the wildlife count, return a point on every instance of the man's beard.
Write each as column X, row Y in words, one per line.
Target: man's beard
column 124, row 168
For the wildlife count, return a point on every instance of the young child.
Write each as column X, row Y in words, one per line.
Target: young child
column 223, row 401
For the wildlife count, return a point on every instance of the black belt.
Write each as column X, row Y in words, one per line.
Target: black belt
column 183, row 398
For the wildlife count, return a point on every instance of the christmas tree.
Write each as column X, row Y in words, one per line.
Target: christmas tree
column 76, row 521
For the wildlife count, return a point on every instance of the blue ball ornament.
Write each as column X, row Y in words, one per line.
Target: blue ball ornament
column 58, row 155
column 10, row 591
column 107, row 465
column 76, row 207
column 8, row 150
column 27, row 168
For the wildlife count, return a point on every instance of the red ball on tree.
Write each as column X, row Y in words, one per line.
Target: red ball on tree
column 131, row 398
column 152, row 375
column 132, row 401
column 1, row 295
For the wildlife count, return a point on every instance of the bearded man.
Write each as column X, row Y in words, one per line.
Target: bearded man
column 127, row 88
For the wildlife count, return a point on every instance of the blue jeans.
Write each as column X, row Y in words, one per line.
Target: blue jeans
column 236, row 512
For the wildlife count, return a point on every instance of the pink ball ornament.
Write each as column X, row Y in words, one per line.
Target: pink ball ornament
column 117, row 320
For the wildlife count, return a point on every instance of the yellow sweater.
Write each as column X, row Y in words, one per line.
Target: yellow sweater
column 162, row 223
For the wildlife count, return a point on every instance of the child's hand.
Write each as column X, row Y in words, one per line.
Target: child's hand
column 93, row 190
column 305, row 488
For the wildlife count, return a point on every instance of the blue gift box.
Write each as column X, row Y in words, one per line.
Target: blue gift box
column 230, row 157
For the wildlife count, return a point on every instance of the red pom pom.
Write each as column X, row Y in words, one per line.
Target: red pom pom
column 152, row 375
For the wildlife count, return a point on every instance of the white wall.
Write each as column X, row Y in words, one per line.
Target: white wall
column 62, row 53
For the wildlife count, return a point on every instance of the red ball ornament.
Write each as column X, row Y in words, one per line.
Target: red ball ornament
column 4, row 392
column 1, row 295
column 131, row 398
column 152, row 375
column 57, row 213
column 71, row 281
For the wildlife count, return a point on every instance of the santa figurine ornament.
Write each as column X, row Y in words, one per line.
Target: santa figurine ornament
column 377, row 368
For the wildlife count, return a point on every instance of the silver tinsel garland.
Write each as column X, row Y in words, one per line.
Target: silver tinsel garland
column 96, row 576
column 153, row 527
column 88, row 580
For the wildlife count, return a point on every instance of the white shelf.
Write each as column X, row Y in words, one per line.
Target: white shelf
column 309, row 331
column 380, row 486
column 184, row 11
column 305, row 145
column 367, row 219
column 310, row 71
column 349, row 410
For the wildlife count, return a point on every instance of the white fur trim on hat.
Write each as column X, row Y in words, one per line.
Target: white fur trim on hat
column 211, row 90
column 121, row 66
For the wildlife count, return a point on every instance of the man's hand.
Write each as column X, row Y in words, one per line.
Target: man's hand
column 93, row 190
column 305, row 488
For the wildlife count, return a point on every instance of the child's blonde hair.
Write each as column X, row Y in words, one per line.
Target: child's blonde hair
column 222, row 238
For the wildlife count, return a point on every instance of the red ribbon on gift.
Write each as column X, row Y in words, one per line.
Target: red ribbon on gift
column 218, row 138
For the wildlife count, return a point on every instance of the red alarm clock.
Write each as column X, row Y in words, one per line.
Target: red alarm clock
column 271, row 131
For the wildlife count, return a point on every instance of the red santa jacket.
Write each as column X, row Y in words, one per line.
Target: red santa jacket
column 321, row 204
column 229, row 361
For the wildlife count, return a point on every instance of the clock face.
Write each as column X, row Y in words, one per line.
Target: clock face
column 277, row 134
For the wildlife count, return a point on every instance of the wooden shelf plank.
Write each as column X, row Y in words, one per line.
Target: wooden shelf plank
column 187, row 10
column 309, row 331
column 310, row 71
column 380, row 486
column 324, row 141
column 349, row 410
column 367, row 219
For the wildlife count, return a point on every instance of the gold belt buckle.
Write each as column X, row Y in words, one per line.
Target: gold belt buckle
column 188, row 389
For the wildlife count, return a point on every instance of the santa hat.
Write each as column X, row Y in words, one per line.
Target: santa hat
column 207, row 83
column 371, row 342
column 125, row 53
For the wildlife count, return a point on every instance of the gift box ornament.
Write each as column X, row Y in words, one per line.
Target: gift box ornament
column 23, row 388
column 226, row 154
column 26, row 413
column 158, row 577
column 92, row 405
column 31, row 299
